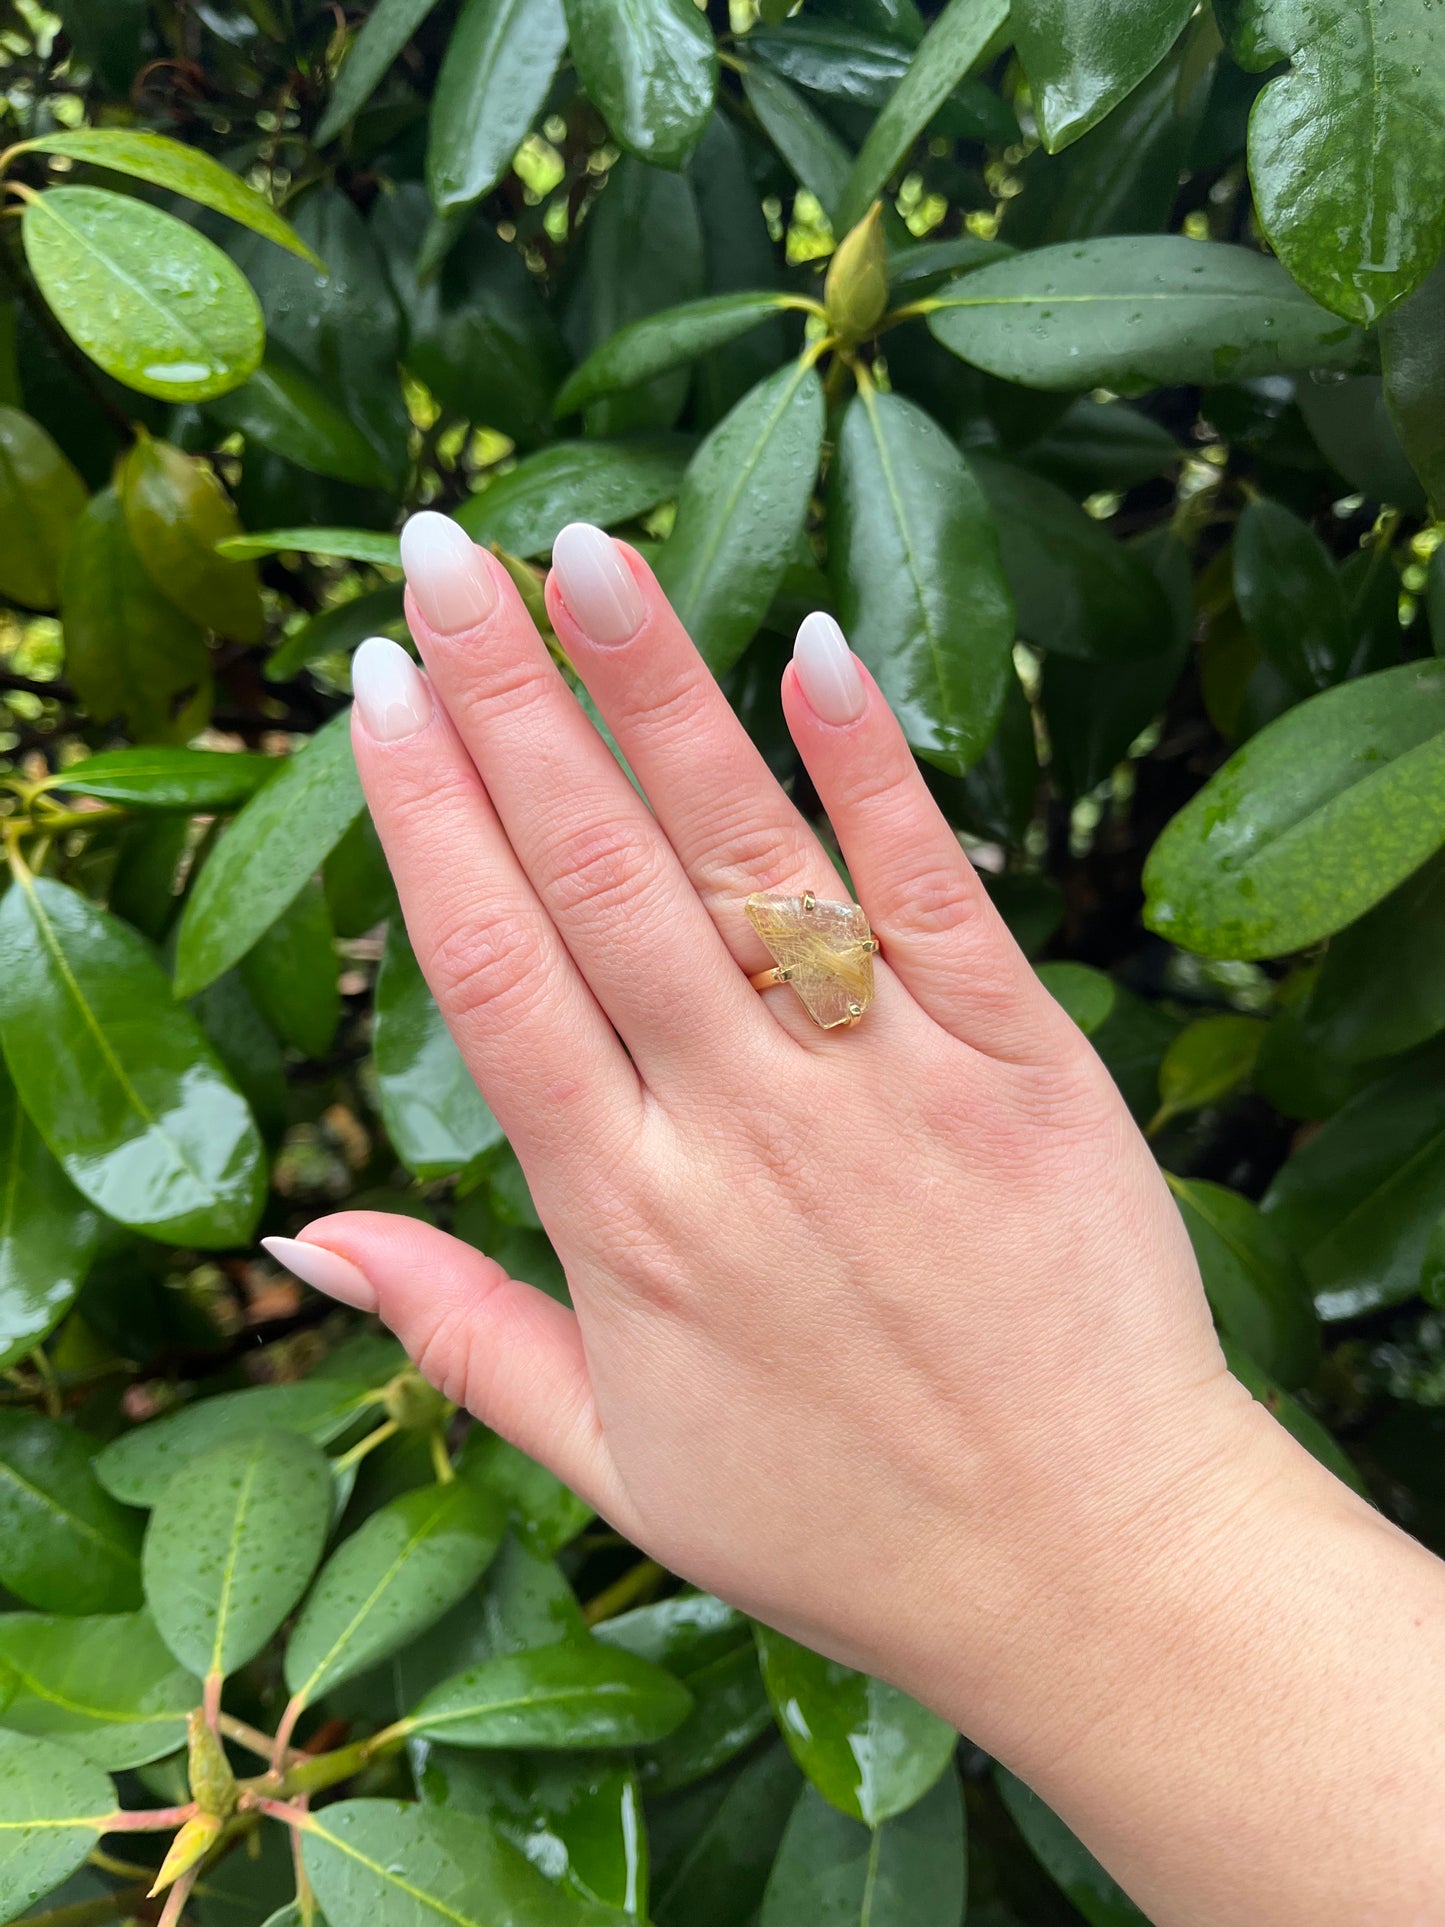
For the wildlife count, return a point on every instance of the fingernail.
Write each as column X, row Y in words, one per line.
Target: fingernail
column 827, row 671
column 446, row 573
column 597, row 585
column 391, row 692
column 324, row 1271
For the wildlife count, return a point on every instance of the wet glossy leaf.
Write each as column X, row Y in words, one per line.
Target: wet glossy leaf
column 434, row 1114
column 128, row 650
column 1381, row 988
column 717, row 1877
column 65, row 1545
column 1301, row 1425
column 574, row 1693
column 542, row 1512
column 248, row 1049
column 498, row 70
column 53, row 1805
column 291, row 974
column 1345, row 148
column 358, row 884
column 1290, row 596
column 121, row 1083
column 104, row 1684
column 650, row 67
column 1086, row 994
column 168, row 779
column 587, row 481
column 868, row 1748
column 847, row 63
column 1359, row 1200
column 183, row 170
column 381, row 37
column 920, row 583
column 139, row 1465
column 176, row 513
column 418, row 1866
column 337, row 629
column 354, row 545
column 1209, row 1060
column 953, row 43
column 231, row 1544
column 1131, row 312
column 742, row 508
column 150, row 300
column 659, row 342
column 1082, row 58
column 279, row 840
column 1098, row 1897
column 48, row 1233
column 286, row 409
column 395, row 1576
column 1315, row 820
column 806, row 142
column 41, row 500
column 1412, row 356
column 910, row 1871
column 1252, row 1278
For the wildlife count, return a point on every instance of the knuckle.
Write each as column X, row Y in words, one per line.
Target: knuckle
column 769, row 857
column 602, row 867
column 941, row 897
column 488, row 966
column 510, row 685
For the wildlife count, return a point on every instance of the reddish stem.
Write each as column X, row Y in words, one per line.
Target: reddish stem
column 149, row 1819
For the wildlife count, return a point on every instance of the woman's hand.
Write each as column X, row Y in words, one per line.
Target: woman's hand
column 891, row 1335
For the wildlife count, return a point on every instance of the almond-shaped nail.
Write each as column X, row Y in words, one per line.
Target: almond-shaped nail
column 599, row 589
column 446, row 573
column 324, row 1271
column 392, row 694
column 827, row 671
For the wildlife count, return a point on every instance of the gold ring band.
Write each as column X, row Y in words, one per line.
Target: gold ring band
column 822, row 950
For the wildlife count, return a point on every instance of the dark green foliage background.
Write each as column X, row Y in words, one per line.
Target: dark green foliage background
column 1126, row 501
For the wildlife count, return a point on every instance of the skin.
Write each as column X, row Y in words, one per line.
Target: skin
column 892, row 1335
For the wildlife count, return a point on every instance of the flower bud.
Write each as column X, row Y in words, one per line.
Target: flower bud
column 855, row 292
column 213, row 1785
column 415, row 1405
column 192, row 1842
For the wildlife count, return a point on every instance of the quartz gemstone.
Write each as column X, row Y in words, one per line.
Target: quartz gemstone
column 826, row 949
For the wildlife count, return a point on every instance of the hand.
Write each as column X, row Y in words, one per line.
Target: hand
column 891, row 1335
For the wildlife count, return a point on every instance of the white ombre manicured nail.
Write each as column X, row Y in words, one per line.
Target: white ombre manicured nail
column 826, row 670
column 324, row 1271
column 391, row 692
column 446, row 573
column 597, row 585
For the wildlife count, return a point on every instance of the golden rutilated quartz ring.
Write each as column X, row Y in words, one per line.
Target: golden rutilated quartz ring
column 823, row 950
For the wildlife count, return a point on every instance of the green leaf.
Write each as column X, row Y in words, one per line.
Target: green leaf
column 571, row 1694
column 1209, row 1060
column 105, row 1685
column 41, row 500
column 139, row 1465
column 1086, row 994
column 279, row 840
column 53, row 1806
column 176, row 514
column 337, row 629
column 1290, row 596
column 650, row 69
column 1347, row 148
column 867, row 1747
column 742, row 508
column 189, row 171
column 418, row 1866
column 913, row 271
column 291, row 973
column 65, row 1545
column 1102, row 445
column 389, row 1581
column 1252, row 1279
column 121, row 1083
column 718, row 1875
column 1301, row 1425
column 910, row 1871
column 167, row 779
column 957, row 38
column 48, row 1234
column 1432, row 1267
column 586, row 481
column 383, row 34
column 665, row 340
column 1130, row 312
column 542, row 1512
column 1360, row 1199
column 151, row 301
column 806, row 142
column 340, row 545
column 1381, row 988
column 434, row 1114
column 231, row 1544
column 498, row 71
column 1096, row 1894
column 286, row 410
column 107, row 35
column 1082, row 58
column 1412, row 357
column 848, row 64
column 248, row 1049
column 1352, row 428
column 358, row 884
column 1316, row 819
column 128, row 650
column 920, row 584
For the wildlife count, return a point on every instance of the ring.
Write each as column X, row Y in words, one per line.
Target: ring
column 823, row 950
